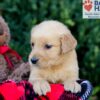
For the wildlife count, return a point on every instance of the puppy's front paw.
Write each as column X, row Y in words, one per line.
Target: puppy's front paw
column 74, row 87
column 41, row 87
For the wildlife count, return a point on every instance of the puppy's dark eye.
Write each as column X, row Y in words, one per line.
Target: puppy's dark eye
column 32, row 44
column 48, row 46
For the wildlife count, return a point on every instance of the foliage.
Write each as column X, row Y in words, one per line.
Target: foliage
column 21, row 15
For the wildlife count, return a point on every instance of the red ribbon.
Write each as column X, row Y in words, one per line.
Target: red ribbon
column 5, row 49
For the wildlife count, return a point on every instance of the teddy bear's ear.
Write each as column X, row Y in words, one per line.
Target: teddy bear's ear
column 68, row 42
column 4, row 29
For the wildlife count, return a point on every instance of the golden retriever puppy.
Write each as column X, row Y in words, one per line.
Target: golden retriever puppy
column 53, row 57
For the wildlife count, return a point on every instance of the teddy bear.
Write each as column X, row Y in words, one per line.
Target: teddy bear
column 11, row 64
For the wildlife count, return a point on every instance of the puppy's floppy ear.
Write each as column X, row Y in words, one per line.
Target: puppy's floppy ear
column 68, row 42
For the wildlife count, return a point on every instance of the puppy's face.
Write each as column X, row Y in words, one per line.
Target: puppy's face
column 45, row 50
column 49, row 43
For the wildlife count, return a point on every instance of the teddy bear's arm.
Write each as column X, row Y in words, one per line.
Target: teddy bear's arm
column 3, row 69
column 20, row 73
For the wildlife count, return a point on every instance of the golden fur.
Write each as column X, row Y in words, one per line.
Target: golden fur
column 57, row 64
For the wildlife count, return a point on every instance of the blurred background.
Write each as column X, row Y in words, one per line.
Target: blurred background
column 22, row 15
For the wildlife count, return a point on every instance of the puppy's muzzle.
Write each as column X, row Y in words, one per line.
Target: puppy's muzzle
column 34, row 60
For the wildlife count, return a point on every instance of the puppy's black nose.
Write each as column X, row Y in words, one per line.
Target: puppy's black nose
column 34, row 60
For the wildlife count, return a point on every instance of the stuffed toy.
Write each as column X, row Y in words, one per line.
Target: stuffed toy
column 11, row 64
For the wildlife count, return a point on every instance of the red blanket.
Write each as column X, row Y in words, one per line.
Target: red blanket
column 10, row 90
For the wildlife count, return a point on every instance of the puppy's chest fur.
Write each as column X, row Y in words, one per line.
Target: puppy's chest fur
column 53, row 75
